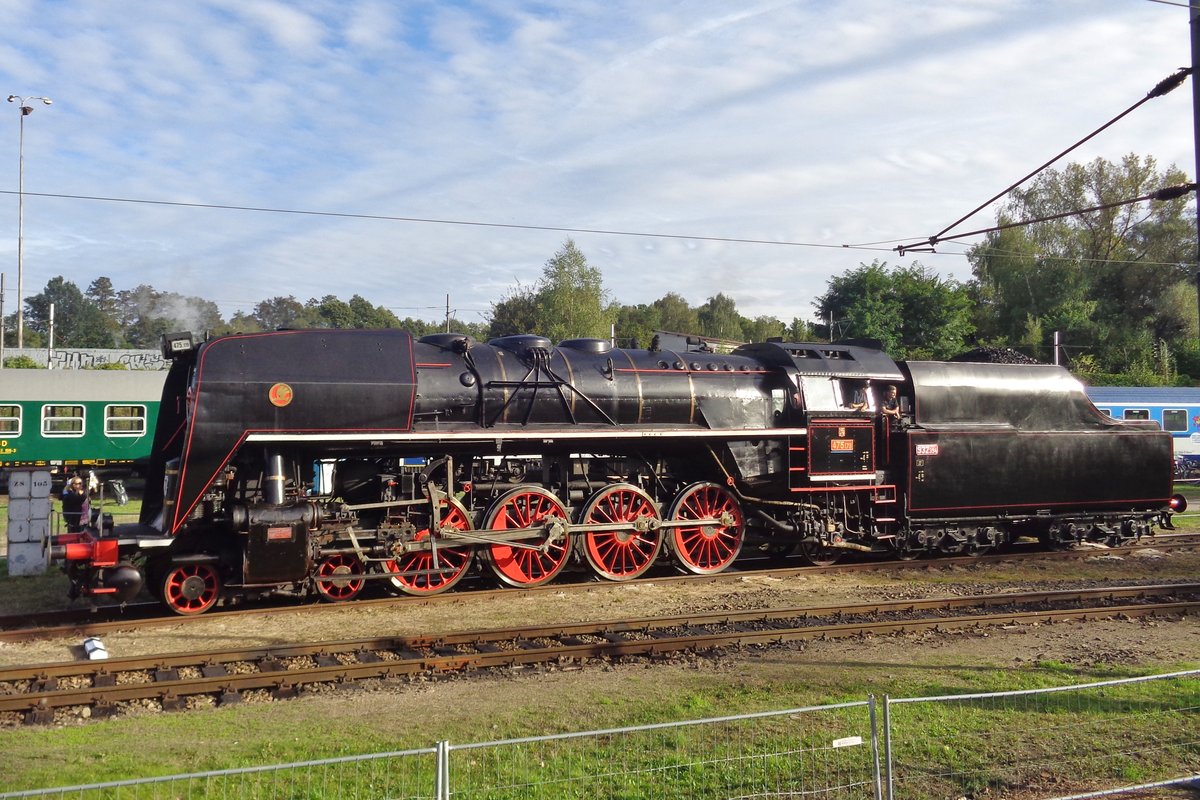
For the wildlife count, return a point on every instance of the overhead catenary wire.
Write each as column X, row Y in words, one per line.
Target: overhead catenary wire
column 438, row 221
column 1163, row 87
column 1166, row 193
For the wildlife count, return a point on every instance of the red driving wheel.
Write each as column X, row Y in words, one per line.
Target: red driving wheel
column 547, row 550
column 435, row 570
column 189, row 589
column 335, row 581
column 620, row 555
column 710, row 546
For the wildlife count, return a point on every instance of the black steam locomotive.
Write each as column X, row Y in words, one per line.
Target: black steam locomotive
column 323, row 459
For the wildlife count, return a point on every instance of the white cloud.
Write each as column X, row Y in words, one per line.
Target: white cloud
column 791, row 121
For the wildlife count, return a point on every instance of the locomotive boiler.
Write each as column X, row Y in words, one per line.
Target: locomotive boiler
column 323, row 460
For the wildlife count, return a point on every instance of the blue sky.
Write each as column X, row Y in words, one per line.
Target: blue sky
column 822, row 123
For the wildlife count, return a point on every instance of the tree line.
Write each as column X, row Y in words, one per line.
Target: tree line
column 1115, row 283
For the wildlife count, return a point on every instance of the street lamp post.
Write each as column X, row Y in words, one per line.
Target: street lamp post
column 26, row 110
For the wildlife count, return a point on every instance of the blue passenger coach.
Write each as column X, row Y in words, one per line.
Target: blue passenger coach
column 1175, row 409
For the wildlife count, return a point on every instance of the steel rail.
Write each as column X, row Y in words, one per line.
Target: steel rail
column 34, row 692
column 81, row 623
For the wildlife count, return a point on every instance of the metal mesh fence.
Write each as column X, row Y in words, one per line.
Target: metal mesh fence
column 1046, row 741
column 825, row 752
column 400, row 775
column 1073, row 741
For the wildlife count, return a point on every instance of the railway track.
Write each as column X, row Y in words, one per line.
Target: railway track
column 76, row 623
column 39, row 694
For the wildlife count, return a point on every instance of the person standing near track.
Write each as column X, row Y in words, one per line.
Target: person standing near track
column 75, row 509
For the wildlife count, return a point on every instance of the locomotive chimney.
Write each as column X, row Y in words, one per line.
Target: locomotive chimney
column 275, row 480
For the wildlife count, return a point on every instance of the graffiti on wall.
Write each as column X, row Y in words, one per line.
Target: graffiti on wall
column 84, row 358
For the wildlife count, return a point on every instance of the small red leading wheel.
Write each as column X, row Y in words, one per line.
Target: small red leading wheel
column 621, row 555
column 710, row 546
column 335, row 577
column 427, row 572
column 547, row 549
column 190, row 589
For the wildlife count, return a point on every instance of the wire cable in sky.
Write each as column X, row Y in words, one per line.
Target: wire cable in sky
column 1166, row 193
column 1165, row 86
column 434, row 221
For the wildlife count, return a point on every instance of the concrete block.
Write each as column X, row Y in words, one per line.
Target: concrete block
column 18, row 508
column 41, row 483
column 18, row 484
column 39, row 507
column 39, row 530
column 27, row 559
column 18, row 530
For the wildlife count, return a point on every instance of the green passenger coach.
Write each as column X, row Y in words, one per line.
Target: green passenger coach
column 73, row 419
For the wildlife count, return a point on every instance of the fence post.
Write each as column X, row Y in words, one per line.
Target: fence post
column 442, row 788
column 875, row 747
column 887, row 744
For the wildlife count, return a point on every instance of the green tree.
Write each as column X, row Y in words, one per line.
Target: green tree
column 636, row 324
column 365, row 315
column 676, row 315
column 280, row 312
column 762, row 328
column 720, row 319
column 146, row 314
column 1110, row 279
column 331, row 312
column 241, row 322
column 104, row 296
column 78, row 322
column 571, row 298
column 568, row 302
column 514, row 313
column 910, row 310
column 799, row 331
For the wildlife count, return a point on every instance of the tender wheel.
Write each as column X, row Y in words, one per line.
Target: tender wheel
column 621, row 555
column 528, row 507
column 335, row 578
column 431, row 571
column 190, row 589
column 709, row 547
column 818, row 555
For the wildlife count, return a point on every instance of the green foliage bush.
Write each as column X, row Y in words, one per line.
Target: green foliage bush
column 22, row 362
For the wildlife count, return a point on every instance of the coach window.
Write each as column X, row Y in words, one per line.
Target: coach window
column 1175, row 420
column 10, row 421
column 124, row 420
column 62, row 420
column 1136, row 413
column 1105, row 411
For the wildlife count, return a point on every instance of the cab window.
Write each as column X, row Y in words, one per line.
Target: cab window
column 820, row 393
